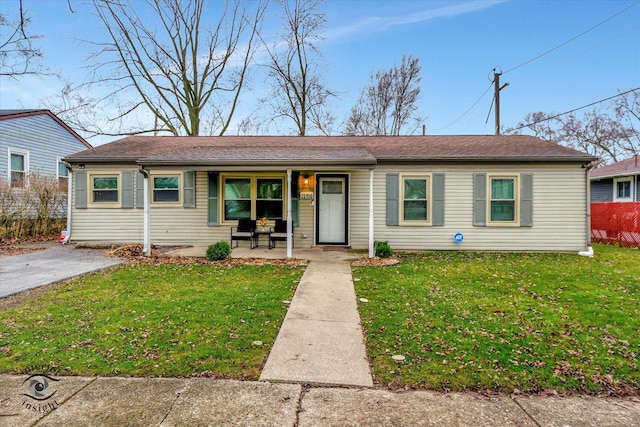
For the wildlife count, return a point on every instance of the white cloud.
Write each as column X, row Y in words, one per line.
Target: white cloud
column 374, row 24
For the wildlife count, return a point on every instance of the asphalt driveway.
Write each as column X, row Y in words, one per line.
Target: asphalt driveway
column 53, row 264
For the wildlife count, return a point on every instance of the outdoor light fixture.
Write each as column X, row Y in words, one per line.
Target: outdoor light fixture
column 306, row 182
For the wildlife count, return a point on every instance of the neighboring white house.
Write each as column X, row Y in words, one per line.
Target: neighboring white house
column 35, row 141
column 514, row 193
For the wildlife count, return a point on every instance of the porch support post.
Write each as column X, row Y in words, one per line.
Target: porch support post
column 146, row 222
column 69, row 198
column 289, row 216
column 371, row 253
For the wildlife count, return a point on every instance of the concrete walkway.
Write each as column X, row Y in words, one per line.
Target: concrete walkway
column 105, row 402
column 53, row 264
column 321, row 341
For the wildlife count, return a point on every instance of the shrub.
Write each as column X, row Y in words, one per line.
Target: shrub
column 382, row 249
column 218, row 251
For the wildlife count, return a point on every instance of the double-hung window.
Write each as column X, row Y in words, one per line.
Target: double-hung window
column 104, row 189
column 18, row 167
column 63, row 175
column 622, row 188
column 253, row 197
column 166, row 189
column 269, row 198
column 503, row 195
column 415, row 200
column 237, row 198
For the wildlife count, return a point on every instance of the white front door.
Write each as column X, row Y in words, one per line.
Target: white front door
column 332, row 210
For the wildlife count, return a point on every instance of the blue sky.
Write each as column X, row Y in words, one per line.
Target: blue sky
column 459, row 43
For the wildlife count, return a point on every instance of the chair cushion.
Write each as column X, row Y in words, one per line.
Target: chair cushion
column 278, row 236
column 242, row 234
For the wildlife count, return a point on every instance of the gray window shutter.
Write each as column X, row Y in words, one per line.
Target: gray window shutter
column 480, row 199
column 80, row 182
column 139, row 190
column 127, row 189
column 189, row 189
column 212, row 199
column 438, row 199
column 526, row 200
column 393, row 188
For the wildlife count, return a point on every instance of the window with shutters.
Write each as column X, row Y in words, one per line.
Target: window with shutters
column 166, row 189
column 104, row 189
column 415, row 200
column 502, row 208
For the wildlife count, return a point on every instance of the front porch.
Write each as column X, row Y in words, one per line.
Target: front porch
column 329, row 254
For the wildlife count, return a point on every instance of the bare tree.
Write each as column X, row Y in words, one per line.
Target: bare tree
column 541, row 125
column 611, row 134
column 298, row 91
column 627, row 112
column 165, row 67
column 388, row 106
column 18, row 56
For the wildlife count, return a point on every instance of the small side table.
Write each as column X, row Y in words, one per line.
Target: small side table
column 258, row 233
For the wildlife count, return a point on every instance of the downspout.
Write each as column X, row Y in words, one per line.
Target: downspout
column 69, row 201
column 589, row 249
column 289, row 217
column 371, row 253
column 146, row 247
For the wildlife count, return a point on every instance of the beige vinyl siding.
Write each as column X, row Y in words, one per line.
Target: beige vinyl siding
column 105, row 225
column 307, row 224
column 559, row 221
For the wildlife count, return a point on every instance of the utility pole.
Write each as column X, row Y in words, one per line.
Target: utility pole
column 497, row 89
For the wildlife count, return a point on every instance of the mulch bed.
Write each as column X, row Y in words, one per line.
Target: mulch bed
column 133, row 255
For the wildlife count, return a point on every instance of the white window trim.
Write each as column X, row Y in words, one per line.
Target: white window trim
column 254, row 193
column 516, row 196
column 90, row 202
column 58, row 161
column 58, row 176
column 615, row 189
column 401, row 220
column 167, row 175
column 25, row 154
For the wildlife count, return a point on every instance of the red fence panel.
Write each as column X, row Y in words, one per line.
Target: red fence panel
column 616, row 223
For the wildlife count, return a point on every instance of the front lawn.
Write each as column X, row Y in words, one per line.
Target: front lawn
column 502, row 321
column 151, row 320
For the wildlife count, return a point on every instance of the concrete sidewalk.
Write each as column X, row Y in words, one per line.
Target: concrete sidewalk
column 91, row 401
column 321, row 340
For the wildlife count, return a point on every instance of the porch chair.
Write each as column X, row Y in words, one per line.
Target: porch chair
column 279, row 233
column 245, row 230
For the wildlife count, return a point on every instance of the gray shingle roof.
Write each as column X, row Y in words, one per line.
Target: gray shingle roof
column 151, row 150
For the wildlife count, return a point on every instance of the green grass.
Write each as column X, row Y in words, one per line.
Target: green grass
column 158, row 320
column 503, row 321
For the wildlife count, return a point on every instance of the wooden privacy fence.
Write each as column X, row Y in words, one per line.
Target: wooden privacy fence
column 616, row 223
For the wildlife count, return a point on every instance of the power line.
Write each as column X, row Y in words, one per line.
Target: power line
column 555, row 64
column 575, row 109
column 468, row 109
column 572, row 39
